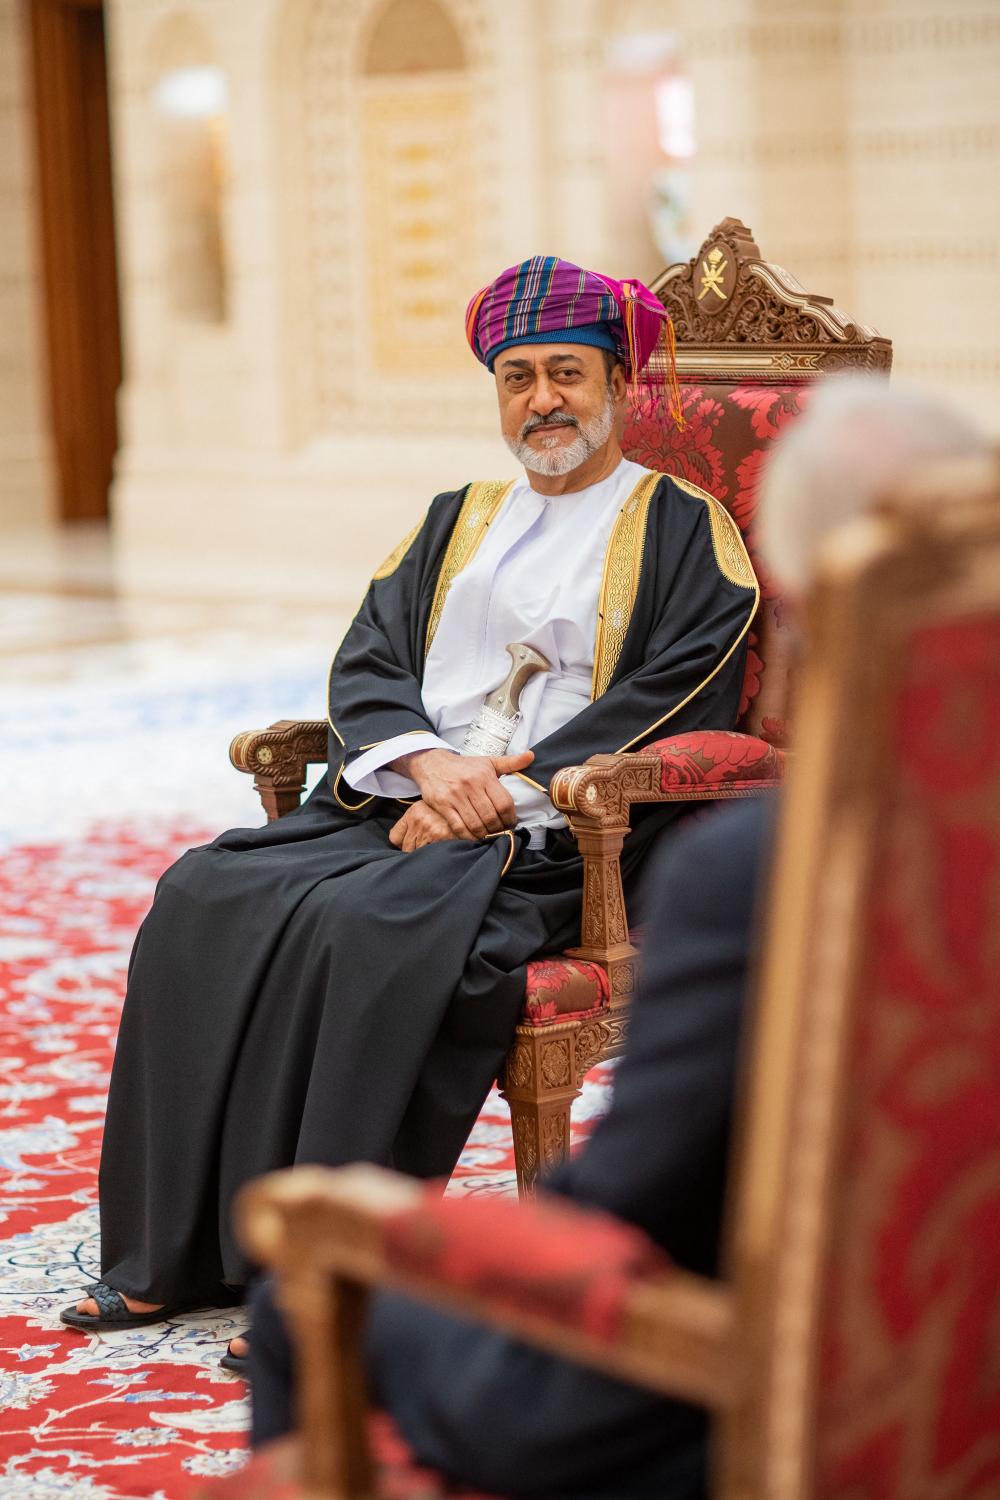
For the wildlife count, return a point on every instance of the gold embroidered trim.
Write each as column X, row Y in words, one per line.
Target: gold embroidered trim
column 645, row 733
column 348, row 806
column 521, row 777
column 620, row 581
column 480, row 505
column 727, row 543
column 397, row 554
column 513, row 848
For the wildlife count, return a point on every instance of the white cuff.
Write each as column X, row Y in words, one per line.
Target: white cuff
column 366, row 774
column 532, row 804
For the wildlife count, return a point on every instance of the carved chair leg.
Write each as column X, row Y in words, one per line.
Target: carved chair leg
column 327, row 1314
column 540, row 1083
column 541, row 1138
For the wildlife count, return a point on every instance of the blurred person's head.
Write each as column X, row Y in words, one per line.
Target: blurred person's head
column 857, row 441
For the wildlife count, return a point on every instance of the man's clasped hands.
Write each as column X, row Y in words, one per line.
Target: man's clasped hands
column 460, row 796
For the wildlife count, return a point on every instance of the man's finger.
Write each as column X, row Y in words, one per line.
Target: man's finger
column 474, row 824
column 454, row 820
column 503, row 802
column 397, row 832
column 504, row 765
column 488, row 814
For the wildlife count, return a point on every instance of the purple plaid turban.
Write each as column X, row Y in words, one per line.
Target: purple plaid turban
column 546, row 300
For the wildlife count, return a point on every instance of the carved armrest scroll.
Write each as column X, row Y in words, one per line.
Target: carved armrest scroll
column 277, row 757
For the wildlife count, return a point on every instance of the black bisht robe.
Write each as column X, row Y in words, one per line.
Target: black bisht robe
column 305, row 992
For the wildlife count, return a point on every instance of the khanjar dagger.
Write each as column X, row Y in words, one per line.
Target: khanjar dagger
column 492, row 729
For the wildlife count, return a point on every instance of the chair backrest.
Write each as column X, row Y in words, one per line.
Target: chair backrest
column 865, row 1240
column 750, row 340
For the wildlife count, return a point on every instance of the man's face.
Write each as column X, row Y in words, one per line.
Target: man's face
column 558, row 404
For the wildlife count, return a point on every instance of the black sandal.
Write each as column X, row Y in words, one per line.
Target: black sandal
column 236, row 1364
column 113, row 1312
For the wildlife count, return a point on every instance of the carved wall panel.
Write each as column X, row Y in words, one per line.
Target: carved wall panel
column 384, row 210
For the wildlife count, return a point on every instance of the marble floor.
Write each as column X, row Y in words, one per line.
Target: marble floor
column 115, row 706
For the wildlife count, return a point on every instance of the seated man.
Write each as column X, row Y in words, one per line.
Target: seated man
column 478, row 1405
column 343, row 984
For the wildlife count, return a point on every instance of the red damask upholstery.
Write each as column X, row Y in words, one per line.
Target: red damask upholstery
column 561, row 989
column 909, row 1403
column 572, row 1266
column 715, row 764
column 723, row 448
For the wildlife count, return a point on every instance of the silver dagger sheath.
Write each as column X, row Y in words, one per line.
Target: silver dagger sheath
column 492, row 729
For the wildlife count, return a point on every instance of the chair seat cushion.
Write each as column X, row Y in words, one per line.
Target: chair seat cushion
column 713, row 764
column 562, row 989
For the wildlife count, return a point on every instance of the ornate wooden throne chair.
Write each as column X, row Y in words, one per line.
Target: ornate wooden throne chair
column 750, row 341
column 850, row 1347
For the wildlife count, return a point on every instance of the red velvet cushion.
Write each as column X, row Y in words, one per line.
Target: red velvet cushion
column 717, row 763
column 570, row 1265
column 723, row 448
column 562, row 989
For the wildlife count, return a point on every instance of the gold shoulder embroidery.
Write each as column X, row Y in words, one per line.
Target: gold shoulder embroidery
column 480, row 505
column 727, row 543
column 620, row 582
column 397, row 554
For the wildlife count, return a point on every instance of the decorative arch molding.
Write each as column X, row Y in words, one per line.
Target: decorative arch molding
column 185, row 93
column 345, row 147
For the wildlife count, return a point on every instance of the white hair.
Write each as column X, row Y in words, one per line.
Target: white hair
column 552, row 458
column 858, row 438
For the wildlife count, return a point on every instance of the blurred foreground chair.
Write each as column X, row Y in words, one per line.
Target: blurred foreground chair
column 750, row 341
column 850, row 1349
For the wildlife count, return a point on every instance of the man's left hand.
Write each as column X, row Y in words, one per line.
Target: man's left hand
column 419, row 825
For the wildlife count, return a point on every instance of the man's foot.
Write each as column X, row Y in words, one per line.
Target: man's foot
column 236, row 1358
column 90, row 1307
column 106, row 1309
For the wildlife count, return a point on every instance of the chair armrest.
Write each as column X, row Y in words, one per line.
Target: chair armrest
column 277, row 757
column 703, row 765
column 573, row 1281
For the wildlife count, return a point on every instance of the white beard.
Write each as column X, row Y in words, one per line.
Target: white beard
column 553, row 458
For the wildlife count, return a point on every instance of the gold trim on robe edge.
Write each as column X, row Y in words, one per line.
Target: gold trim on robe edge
column 397, row 554
column 620, row 581
column 482, row 501
column 734, row 564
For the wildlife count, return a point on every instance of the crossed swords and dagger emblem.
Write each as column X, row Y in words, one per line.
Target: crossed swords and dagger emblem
column 713, row 269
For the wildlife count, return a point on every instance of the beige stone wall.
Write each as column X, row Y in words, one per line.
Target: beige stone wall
column 860, row 139
column 271, row 441
column 26, row 464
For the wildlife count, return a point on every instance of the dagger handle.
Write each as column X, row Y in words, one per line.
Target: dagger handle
column 525, row 661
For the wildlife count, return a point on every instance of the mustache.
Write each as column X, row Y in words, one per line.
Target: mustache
column 556, row 419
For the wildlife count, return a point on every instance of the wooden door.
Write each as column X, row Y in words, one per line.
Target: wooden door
column 77, row 238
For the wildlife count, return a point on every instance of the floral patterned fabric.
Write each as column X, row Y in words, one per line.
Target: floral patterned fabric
column 571, row 1266
column 909, row 1403
column 723, row 449
column 715, row 763
column 563, row 989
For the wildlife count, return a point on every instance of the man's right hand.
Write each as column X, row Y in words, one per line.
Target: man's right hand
column 465, row 790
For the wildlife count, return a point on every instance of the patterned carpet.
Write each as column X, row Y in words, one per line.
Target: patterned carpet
column 144, row 1412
